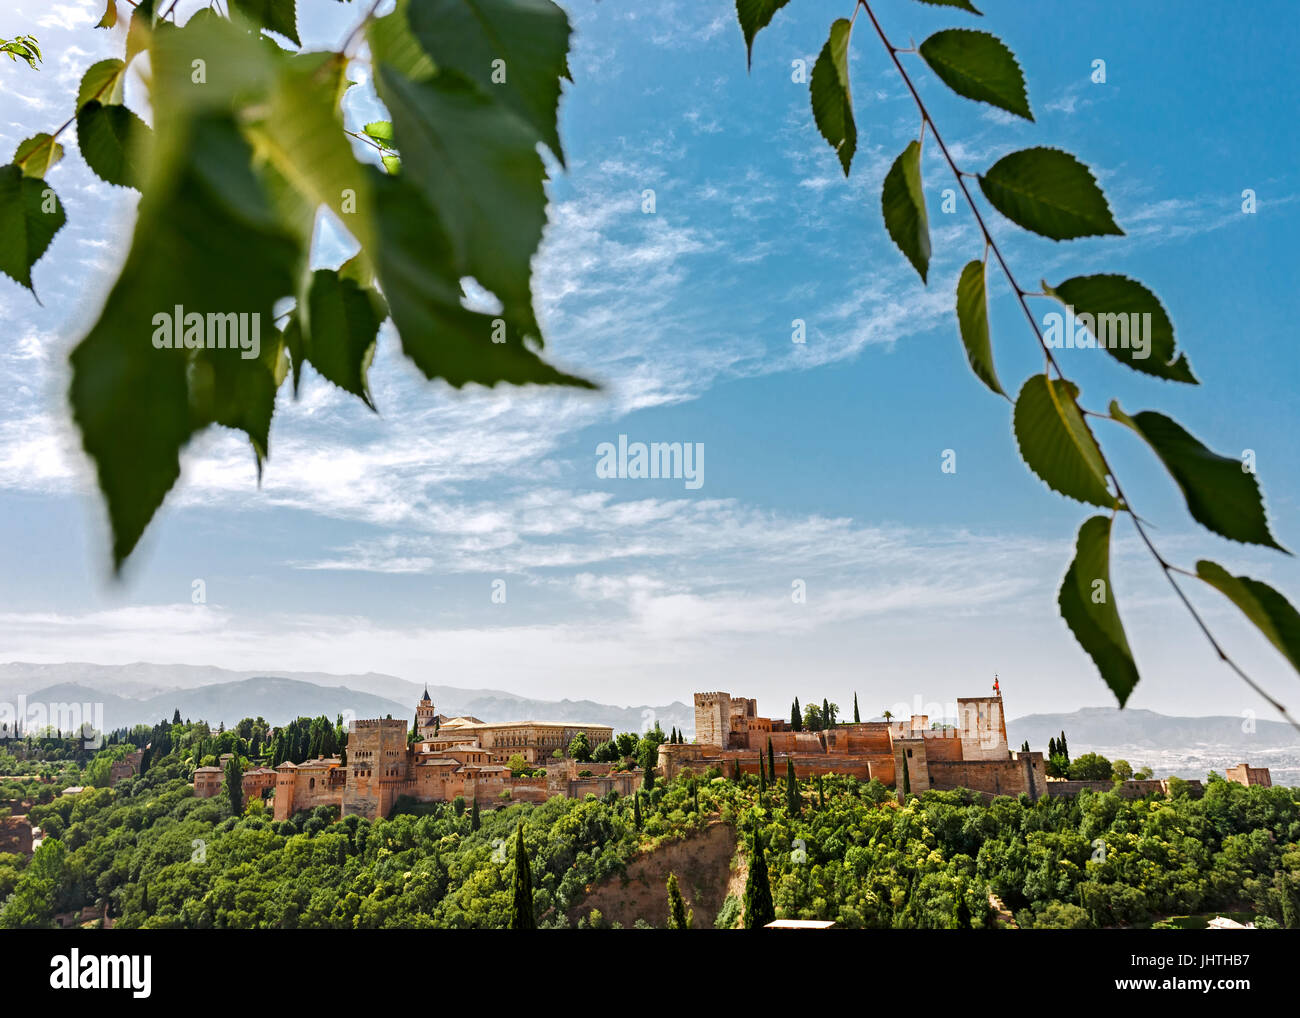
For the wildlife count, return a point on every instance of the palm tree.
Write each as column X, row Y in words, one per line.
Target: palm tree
column 888, row 716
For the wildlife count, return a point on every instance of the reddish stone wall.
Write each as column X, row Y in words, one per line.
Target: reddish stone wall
column 16, row 835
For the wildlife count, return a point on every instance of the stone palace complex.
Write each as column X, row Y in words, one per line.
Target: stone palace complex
column 464, row 757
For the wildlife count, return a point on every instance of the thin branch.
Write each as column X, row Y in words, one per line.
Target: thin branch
column 1021, row 294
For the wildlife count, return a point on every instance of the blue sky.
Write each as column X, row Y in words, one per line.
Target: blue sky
column 374, row 542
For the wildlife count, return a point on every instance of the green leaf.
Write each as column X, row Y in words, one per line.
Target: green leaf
column 903, row 203
column 832, row 104
column 524, row 42
column 755, row 15
column 1121, row 311
column 418, row 274
column 1056, row 443
column 393, row 164
column 381, row 132
column 109, row 20
column 279, row 16
column 144, row 23
column 1049, row 192
column 965, row 5
column 478, row 167
column 37, row 154
column 301, row 136
column 1269, row 610
column 30, row 215
column 973, row 320
column 114, row 142
column 393, row 43
column 205, row 241
column 103, row 81
column 1221, row 493
column 1088, row 607
column 979, row 66
column 345, row 320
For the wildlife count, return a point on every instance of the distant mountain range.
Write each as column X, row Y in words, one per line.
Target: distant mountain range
column 146, row 693
column 1145, row 729
column 1185, row 747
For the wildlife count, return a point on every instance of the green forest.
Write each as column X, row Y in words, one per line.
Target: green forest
column 835, row 848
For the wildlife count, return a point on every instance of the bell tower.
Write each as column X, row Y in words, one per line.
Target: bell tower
column 425, row 714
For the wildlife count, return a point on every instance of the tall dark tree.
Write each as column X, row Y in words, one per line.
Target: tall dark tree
column 796, row 715
column 735, row 769
column 828, row 719
column 759, row 910
column 857, row 718
column 793, row 800
column 176, row 718
column 648, row 767
column 762, row 775
column 636, row 810
column 771, row 760
column 907, row 777
column 235, row 786
column 521, row 908
column 821, row 795
column 678, row 917
column 474, row 822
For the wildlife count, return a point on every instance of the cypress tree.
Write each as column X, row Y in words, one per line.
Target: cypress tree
column 826, row 713
column 474, row 821
column 636, row 810
column 821, row 796
column 857, row 718
column 648, row 766
column 796, row 716
column 907, row 778
column 521, row 909
column 762, row 775
column 793, row 800
column 735, row 769
column 759, row 910
column 771, row 760
column 678, row 917
column 235, row 786
column 1051, row 747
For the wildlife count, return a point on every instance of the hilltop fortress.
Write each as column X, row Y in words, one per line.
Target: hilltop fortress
column 450, row 757
column 909, row 753
column 464, row 757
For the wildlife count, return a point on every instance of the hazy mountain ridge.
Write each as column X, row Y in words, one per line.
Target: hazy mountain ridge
column 146, row 693
column 1185, row 747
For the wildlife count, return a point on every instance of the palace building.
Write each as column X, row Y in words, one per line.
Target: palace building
column 451, row 757
column 911, row 753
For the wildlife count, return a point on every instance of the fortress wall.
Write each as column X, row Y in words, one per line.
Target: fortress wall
column 997, row 777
